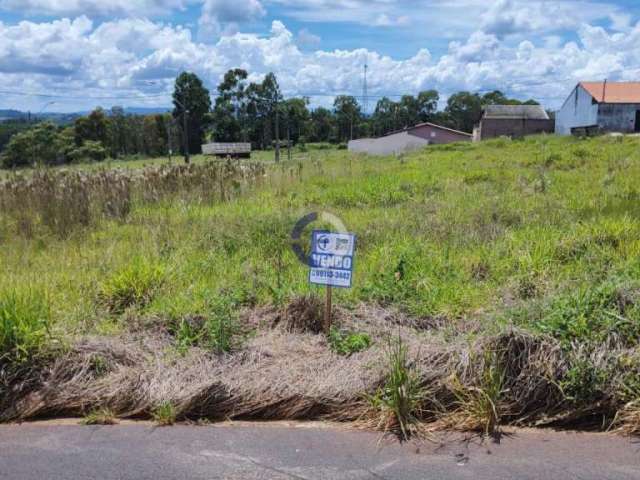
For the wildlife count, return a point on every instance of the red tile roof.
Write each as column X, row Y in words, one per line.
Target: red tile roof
column 613, row 92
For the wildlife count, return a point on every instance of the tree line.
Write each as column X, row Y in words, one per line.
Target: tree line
column 243, row 111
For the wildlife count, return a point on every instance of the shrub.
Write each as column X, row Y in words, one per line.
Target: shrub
column 348, row 343
column 25, row 322
column 101, row 416
column 90, row 150
column 164, row 414
column 134, row 285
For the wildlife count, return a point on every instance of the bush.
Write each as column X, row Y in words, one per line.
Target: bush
column 134, row 285
column 25, row 322
column 90, row 150
column 38, row 145
column 348, row 343
column 164, row 414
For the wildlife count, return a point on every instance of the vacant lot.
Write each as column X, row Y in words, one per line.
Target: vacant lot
column 510, row 270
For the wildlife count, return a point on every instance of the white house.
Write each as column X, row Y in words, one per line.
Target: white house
column 600, row 107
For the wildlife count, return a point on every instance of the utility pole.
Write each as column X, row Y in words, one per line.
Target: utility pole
column 169, row 149
column 365, row 90
column 187, row 159
column 351, row 125
column 185, row 128
column 288, row 139
column 277, row 130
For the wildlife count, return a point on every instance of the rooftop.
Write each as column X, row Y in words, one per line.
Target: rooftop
column 529, row 112
column 428, row 124
column 613, row 92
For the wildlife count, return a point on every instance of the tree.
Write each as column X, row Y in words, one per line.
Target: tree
column 230, row 112
column 465, row 110
column 385, row 116
column 118, row 132
column 94, row 127
column 190, row 97
column 40, row 145
column 322, row 127
column 296, row 118
column 427, row 105
column 348, row 117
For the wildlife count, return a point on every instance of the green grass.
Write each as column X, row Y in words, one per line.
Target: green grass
column 164, row 414
column 347, row 343
column 25, row 322
column 102, row 416
column 400, row 400
column 543, row 233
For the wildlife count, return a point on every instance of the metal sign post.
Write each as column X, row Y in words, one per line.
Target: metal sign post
column 331, row 264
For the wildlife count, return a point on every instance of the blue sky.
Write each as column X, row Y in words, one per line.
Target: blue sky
column 80, row 53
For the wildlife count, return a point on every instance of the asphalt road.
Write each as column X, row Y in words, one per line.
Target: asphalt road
column 274, row 452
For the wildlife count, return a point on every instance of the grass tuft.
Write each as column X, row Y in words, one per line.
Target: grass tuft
column 164, row 414
column 347, row 343
column 101, row 416
column 134, row 285
column 25, row 324
column 399, row 402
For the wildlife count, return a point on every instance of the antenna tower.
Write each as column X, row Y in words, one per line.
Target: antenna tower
column 365, row 90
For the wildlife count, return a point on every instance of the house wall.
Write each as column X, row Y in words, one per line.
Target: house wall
column 614, row 117
column 390, row 145
column 578, row 111
column 513, row 127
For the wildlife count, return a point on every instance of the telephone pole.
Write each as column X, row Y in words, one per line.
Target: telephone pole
column 185, row 128
column 365, row 91
column 187, row 158
column 277, row 131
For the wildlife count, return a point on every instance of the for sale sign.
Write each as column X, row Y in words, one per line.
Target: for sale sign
column 331, row 259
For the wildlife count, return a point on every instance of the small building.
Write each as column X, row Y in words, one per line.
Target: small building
column 407, row 140
column 513, row 121
column 234, row 150
column 594, row 107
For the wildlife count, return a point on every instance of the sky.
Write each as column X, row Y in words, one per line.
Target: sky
column 74, row 55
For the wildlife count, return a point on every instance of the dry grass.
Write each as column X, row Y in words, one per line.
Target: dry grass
column 60, row 201
column 508, row 379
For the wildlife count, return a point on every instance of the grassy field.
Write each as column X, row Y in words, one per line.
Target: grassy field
column 459, row 247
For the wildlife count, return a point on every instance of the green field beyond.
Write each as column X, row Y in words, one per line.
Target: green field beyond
column 543, row 233
column 507, row 273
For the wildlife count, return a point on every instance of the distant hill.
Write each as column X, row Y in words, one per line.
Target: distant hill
column 67, row 118
column 10, row 115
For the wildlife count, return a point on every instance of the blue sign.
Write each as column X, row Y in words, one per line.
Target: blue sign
column 331, row 259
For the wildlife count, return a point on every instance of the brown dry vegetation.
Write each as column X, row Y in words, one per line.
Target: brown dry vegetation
column 280, row 374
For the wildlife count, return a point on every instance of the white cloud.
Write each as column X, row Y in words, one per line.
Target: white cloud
column 93, row 7
column 306, row 38
column 135, row 57
column 225, row 16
